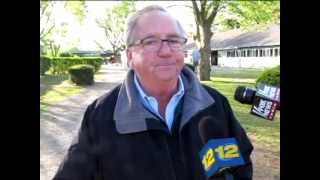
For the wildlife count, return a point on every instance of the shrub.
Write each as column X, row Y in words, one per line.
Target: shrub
column 270, row 76
column 82, row 74
column 44, row 64
column 66, row 54
column 62, row 64
column 190, row 66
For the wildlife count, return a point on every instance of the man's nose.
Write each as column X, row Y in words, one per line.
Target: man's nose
column 164, row 48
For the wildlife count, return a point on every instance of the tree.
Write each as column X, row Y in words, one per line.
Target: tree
column 247, row 14
column 205, row 13
column 244, row 14
column 49, row 30
column 113, row 25
column 77, row 9
column 46, row 23
column 256, row 12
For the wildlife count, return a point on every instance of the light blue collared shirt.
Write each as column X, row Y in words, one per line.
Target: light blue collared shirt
column 151, row 102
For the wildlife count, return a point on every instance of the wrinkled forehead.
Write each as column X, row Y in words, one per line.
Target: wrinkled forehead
column 156, row 23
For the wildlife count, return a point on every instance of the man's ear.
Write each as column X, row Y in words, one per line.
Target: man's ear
column 129, row 57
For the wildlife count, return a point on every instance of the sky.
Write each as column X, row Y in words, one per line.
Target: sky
column 89, row 32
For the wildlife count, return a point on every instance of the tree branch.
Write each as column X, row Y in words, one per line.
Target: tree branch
column 43, row 33
column 214, row 11
column 196, row 12
column 203, row 10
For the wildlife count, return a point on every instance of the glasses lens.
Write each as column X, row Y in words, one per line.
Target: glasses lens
column 153, row 44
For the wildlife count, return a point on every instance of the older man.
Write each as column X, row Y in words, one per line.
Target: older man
column 148, row 127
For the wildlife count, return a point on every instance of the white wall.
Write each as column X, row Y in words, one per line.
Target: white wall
column 249, row 62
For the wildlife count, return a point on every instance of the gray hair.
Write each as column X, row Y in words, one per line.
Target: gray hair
column 132, row 22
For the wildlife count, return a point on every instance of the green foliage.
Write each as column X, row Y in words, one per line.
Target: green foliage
column 77, row 8
column 230, row 24
column 270, row 76
column 60, row 65
column 66, row 54
column 51, row 32
column 44, row 64
column 82, row 74
column 113, row 24
column 248, row 13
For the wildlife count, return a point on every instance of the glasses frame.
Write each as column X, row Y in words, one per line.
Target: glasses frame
column 140, row 42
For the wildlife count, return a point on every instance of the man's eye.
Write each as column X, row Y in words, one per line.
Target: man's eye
column 173, row 41
column 150, row 41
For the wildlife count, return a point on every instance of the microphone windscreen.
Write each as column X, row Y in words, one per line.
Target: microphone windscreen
column 244, row 95
column 209, row 128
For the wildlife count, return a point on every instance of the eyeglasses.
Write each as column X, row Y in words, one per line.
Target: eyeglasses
column 154, row 43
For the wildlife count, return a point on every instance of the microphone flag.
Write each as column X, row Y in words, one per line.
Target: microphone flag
column 220, row 153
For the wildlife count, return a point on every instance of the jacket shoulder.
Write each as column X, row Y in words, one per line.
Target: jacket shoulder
column 109, row 99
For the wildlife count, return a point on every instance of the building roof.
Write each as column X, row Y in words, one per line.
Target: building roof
column 237, row 38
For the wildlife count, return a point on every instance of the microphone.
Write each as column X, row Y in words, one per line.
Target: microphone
column 218, row 153
column 265, row 101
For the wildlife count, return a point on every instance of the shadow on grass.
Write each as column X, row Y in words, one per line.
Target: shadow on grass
column 47, row 82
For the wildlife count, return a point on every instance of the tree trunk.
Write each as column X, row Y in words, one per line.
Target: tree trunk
column 205, row 51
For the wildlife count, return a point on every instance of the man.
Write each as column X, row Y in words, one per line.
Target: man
column 148, row 127
column 195, row 58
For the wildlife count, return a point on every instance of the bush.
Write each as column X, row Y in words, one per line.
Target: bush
column 66, row 54
column 190, row 66
column 270, row 76
column 62, row 64
column 82, row 74
column 44, row 64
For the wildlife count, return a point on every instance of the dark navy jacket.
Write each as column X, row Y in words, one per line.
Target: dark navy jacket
column 121, row 140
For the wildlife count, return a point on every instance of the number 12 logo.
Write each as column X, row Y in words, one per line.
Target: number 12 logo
column 224, row 152
column 220, row 153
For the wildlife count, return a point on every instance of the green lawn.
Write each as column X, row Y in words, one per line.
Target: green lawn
column 55, row 88
column 236, row 72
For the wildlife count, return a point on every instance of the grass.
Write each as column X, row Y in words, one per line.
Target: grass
column 251, row 73
column 55, row 88
column 264, row 134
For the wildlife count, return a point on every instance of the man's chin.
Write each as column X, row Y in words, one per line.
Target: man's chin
column 169, row 76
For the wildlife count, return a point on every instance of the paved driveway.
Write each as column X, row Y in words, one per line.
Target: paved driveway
column 60, row 122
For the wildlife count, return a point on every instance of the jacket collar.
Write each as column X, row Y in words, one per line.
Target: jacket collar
column 130, row 116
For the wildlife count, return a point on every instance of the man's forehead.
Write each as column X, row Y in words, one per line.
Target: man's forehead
column 152, row 23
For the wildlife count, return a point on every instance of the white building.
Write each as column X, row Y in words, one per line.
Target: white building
column 246, row 49
column 252, row 49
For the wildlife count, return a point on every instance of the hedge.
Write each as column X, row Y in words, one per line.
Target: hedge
column 62, row 64
column 82, row 74
column 44, row 64
column 270, row 76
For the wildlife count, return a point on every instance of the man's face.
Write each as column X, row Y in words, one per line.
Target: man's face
column 162, row 64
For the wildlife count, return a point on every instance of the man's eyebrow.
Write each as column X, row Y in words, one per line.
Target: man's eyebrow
column 166, row 36
column 149, row 36
column 173, row 35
